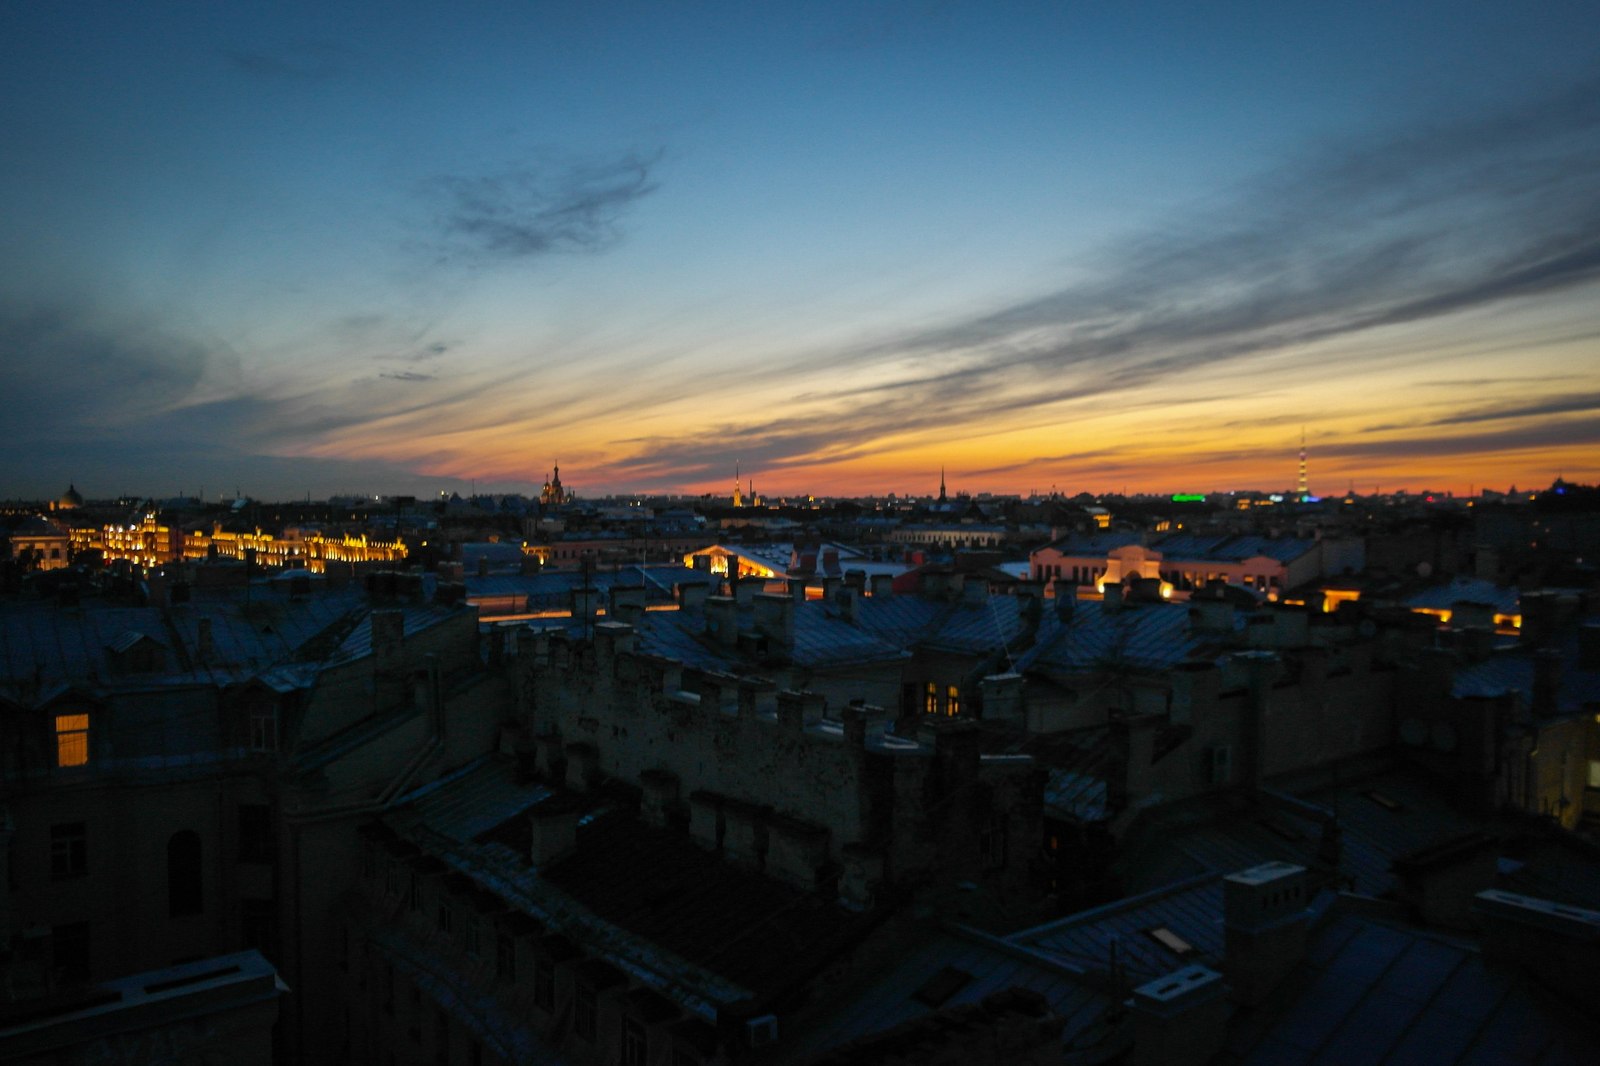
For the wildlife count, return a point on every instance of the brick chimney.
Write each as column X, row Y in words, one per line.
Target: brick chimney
column 1265, row 921
column 1180, row 1019
column 775, row 619
column 722, row 620
column 1559, row 945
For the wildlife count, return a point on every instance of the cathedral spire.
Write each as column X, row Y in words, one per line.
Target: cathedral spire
column 942, row 496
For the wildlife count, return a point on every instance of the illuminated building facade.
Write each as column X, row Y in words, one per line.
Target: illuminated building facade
column 151, row 543
column 294, row 550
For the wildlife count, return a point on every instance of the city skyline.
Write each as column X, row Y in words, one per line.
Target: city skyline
column 299, row 250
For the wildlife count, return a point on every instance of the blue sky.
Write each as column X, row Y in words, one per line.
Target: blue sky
column 312, row 248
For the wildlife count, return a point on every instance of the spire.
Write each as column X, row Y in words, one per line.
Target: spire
column 942, row 496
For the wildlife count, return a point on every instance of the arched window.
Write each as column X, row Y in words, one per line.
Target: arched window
column 185, row 881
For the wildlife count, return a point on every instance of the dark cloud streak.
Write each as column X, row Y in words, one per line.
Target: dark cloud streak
column 530, row 211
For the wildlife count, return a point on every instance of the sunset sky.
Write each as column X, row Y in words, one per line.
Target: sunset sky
column 327, row 247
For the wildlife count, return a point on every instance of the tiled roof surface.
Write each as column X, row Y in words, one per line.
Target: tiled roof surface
column 653, row 882
column 1151, row 636
column 1466, row 590
column 1370, row 992
column 889, row 998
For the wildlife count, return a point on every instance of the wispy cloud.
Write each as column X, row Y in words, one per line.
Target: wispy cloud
column 1438, row 219
column 535, row 210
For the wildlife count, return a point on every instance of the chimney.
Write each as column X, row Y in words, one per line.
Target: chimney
column 483, row 566
column 722, row 620
column 1133, row 746
column 975, row 591
column 882, row 585
column 1265, row 921
column 611, row 640
column 554, row 832
column 585, row 603
column 1066, row 603
column 1260, row 671
column 797, row 589
column 856, row 579
column 830, row 561
column 1113, row 597
column 1559, row 945
column 848, row 601
column 1546, row 682
column 1195, row 685
column 1180, row 1019
column 690, row 594
column 1001, row 696
column 831, row 584
column 775, row 619
column 746, row 591
column 627, row 600
column 796, row 710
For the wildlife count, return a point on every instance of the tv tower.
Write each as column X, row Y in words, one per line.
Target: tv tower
column 1301, row 490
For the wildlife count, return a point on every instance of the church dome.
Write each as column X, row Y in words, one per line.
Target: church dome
column 70, row 498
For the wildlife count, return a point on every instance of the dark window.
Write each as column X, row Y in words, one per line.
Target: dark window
column 683, row 1057
column 69, row 949
column 505, row 957
column 185, row 880
column 441, row 1036
column 388, row 988
column 992, row 842
column 472, row 934
column 69, row 850
column 584, row 1015
column 544, row 985
column 446, row 920
column 635, row 1046
column 414, row 893
column 415, row 1030
column 257, row 841
column 258, row 922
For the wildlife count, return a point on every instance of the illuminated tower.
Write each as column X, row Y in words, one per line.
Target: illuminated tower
column 738, row 496
column 1301, row 489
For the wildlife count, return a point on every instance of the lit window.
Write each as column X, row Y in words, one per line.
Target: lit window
column 930, row 698
column 952, row 702
column 72, row 739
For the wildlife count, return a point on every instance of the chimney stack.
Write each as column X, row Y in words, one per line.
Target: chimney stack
column 1265, row 921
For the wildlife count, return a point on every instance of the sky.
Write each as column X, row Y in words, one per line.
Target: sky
column 303, row 249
